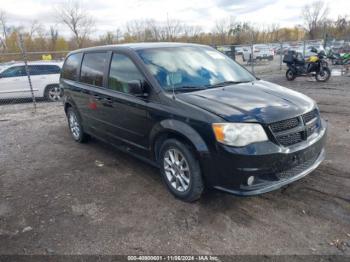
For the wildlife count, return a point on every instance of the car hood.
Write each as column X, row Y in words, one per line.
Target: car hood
column 257, row 101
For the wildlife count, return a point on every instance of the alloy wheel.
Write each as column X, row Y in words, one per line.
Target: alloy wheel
column 74, row 125
column 54, row 93
column 177, row 170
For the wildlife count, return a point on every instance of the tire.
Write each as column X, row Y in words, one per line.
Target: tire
column 325, row 77
column 75, row 126
column 182, row 176
column 290, row 75
column 53, row 93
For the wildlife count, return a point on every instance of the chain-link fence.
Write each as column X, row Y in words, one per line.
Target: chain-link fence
column 29, row 78
column 266, row 58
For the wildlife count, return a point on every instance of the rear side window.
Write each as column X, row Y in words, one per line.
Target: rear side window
column 122, row 71
column 92, row 68
column 44, row 69
column 71, row 67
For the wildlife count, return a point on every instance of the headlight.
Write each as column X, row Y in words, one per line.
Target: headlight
column 239, row 134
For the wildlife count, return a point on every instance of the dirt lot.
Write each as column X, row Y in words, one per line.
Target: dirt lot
column 60, row 197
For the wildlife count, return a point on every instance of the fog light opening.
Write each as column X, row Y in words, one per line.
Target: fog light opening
column 250, row 180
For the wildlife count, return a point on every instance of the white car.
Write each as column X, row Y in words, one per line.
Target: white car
column 260, row 52
column 44, row 76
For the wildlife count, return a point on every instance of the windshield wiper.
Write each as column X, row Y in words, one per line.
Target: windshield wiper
column 226, row 83
column 188, row 88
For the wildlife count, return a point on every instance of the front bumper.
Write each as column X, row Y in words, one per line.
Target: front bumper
column 272, row 166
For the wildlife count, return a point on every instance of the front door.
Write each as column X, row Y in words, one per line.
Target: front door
column 125, row 116
column 14, row 83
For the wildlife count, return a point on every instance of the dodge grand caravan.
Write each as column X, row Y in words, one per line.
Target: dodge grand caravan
column 204, row 120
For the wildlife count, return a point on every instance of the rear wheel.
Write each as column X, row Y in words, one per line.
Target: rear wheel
column 75, row 126
column 180, row 170
column 290, row 75
column 53, row 93
column 324, row 75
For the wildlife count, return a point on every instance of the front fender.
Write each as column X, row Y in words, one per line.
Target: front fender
column 181, row 128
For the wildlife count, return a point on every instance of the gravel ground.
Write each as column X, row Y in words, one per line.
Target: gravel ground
column 61, row 197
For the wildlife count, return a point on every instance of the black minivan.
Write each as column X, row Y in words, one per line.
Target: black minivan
column 203, row 119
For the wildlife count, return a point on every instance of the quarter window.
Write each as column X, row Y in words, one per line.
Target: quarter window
column 122, row 71
column 92, row 68
column 71, row 67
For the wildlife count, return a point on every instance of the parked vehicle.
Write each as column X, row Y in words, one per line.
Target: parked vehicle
column 227, row 50
column 339, row 59
column 14, row 82
column 200, row 117
column 310, row 50
column 260, row 52
column 315, row 65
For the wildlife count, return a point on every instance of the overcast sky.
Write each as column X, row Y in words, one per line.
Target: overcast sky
column 111, row 14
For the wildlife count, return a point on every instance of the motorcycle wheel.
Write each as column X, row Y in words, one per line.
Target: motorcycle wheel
column 290, row 75
column 324, row 77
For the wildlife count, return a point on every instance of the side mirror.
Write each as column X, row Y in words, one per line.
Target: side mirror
column 136, row 88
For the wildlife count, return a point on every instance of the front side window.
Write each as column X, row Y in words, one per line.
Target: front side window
column 15, row 71
column 187, row 67
column 92, row 68
column 71, row 67
column 122, row 72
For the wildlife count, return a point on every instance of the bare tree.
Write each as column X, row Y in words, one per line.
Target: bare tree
column 173, row 28
column 155, row 28
column 36, row 28
column 314, row 16
column 107, row 38
column 53, row 37
column 222, row 29
column 3, row 27
column 77, row 20
column 118, row 35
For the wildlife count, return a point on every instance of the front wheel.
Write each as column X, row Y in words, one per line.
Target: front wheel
column 324, row 75
column 180, row 170
column 290, row 75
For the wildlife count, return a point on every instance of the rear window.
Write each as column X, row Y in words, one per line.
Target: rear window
column 71, row 67
column 93, row 68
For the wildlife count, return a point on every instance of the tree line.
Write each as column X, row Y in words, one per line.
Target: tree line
column 81, row 25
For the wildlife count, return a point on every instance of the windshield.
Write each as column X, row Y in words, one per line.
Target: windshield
column 191, row 67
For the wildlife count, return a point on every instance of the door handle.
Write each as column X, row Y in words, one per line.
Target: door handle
column 97, row 97
column 108, row 100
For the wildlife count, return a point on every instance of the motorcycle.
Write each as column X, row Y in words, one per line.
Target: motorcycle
column 316, row 65
column 339, row 59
